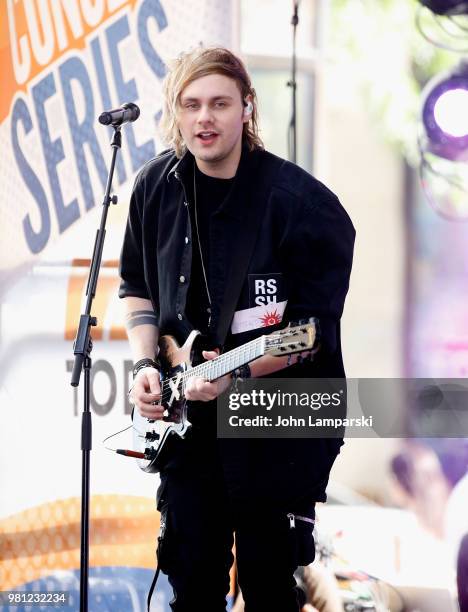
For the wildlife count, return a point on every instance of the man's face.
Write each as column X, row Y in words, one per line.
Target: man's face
column 211, row 118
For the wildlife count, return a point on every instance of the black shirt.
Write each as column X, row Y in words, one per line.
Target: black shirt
column 210, row 194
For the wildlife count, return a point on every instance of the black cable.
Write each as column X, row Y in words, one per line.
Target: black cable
column 115, row 434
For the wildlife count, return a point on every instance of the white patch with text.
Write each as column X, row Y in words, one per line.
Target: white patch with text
column 258, row 316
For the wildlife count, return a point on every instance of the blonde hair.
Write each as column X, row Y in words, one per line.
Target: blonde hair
column 192, row 65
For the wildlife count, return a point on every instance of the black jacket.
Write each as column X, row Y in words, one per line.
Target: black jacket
column 299, row 268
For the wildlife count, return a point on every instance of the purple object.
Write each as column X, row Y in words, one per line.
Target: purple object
column 446, row 7
column 439, row 142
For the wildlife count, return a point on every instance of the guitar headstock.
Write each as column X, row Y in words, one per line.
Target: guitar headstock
column 296, row 338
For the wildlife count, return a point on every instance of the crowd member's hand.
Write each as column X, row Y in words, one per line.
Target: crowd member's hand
column 198, row 389
column 146, row 393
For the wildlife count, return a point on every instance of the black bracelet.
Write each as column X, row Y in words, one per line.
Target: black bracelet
column 144, row 363
column 242, row 373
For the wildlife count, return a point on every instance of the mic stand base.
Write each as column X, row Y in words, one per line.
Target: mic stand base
column 86, row 446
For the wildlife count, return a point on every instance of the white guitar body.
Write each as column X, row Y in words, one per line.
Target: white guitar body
column 156, row 441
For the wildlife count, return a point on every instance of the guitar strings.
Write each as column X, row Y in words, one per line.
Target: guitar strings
column 166, row 390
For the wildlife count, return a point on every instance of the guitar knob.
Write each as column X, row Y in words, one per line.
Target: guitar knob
column 150, row 454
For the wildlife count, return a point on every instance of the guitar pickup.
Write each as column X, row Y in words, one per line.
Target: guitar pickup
column 152, row 436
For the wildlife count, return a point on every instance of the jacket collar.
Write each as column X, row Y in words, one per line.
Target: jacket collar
column 182, row 167
column 237, row 201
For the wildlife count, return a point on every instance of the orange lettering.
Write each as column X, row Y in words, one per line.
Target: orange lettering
column 41, row 32
column 73, row 25
column 105, row 292
column 20, row 51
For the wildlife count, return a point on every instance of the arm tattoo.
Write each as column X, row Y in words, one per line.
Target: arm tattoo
column 141, row 317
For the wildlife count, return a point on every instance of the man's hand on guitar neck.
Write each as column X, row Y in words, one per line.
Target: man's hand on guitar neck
column 198, row 389
column 201, row 390
column 146, row 393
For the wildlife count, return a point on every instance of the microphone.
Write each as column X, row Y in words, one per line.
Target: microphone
column 127, row 112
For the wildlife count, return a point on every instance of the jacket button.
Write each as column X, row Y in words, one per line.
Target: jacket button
column 179, row 316
column 182, row 279
column 186, row 240
column 185, row 203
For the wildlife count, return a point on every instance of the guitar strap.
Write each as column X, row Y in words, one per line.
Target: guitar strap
column 266, row 171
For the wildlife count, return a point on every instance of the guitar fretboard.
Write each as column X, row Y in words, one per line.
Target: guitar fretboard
column 225, row 363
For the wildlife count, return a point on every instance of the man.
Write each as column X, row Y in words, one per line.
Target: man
column 212, row 205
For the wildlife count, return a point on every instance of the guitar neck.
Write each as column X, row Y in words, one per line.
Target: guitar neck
column 296, row 339
column 230, row 361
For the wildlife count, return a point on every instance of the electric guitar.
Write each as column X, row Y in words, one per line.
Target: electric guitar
column 155, row 440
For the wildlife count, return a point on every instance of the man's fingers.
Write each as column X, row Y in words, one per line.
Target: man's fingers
column 150, row 411
column 146, row 393
column 196, row 385
column 148, row 378
column 147, row 398
column 153, row 415
column 139, row 395
column 199, row 389
column 153, row 380
column 210, row 354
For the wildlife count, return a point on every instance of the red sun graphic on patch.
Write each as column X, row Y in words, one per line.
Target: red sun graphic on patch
column 270, row 318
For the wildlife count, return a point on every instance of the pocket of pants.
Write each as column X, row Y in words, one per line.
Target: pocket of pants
column 302, row 533
column 164, row 539
column 161, row 493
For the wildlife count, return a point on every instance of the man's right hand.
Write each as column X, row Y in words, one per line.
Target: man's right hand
column 146, row 394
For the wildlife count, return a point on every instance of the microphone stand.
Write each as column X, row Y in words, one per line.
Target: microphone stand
column 292, row 140
column 82, row 351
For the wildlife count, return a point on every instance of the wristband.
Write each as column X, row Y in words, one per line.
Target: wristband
column 144, row 363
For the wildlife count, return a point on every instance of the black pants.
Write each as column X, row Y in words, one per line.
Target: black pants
column 198, row 519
